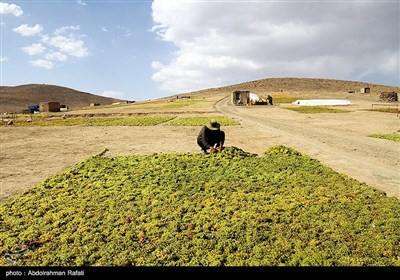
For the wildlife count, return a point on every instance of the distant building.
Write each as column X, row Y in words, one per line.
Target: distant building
column 49, row 107
column 365, row 90
column 94, row 104
column 183, row 97
column 241, row 97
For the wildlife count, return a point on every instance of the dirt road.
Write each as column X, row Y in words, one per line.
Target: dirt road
column 338, row 140
column 31, row 154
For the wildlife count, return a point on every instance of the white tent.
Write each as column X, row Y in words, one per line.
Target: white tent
column 321, row 102
column 254, row 97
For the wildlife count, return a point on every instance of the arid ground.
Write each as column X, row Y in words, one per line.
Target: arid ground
column 338, row 140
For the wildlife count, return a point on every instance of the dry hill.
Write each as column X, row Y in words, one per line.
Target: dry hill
column 17, row 98
column 305, row 87
column 14, row 99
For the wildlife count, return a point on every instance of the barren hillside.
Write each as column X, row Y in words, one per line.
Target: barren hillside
column 306, row 87
column 16, row 98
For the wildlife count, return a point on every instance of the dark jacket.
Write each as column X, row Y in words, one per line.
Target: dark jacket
column 208, row 138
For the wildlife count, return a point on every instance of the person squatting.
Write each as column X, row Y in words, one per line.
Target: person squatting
column 211, row 138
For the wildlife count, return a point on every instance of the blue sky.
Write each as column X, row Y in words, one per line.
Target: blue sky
column 139, row 50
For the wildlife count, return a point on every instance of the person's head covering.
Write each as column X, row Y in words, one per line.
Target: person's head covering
column 213, row 125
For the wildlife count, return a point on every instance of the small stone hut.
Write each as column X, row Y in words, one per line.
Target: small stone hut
column 241, row 97
column 365, row 90
column 49, row 107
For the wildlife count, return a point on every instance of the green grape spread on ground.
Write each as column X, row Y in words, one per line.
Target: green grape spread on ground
column 184, row 209
column 97, row 121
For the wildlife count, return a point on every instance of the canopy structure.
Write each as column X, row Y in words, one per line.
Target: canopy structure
column 321, row 102
column 254, row 97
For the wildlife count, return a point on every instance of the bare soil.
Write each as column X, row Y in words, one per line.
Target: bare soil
column 31, row 154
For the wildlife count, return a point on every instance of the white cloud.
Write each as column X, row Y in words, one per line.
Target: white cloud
column 33, row 49
column 225, row 42
column 42, row 63
column 113, row 94
column 26, row 30
column 60, row 47
column 57, row 56
column 104, row 29
column 13, row 9
column 69, row 45
column 64, row 29
column 4, row 58
column 80, row 2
